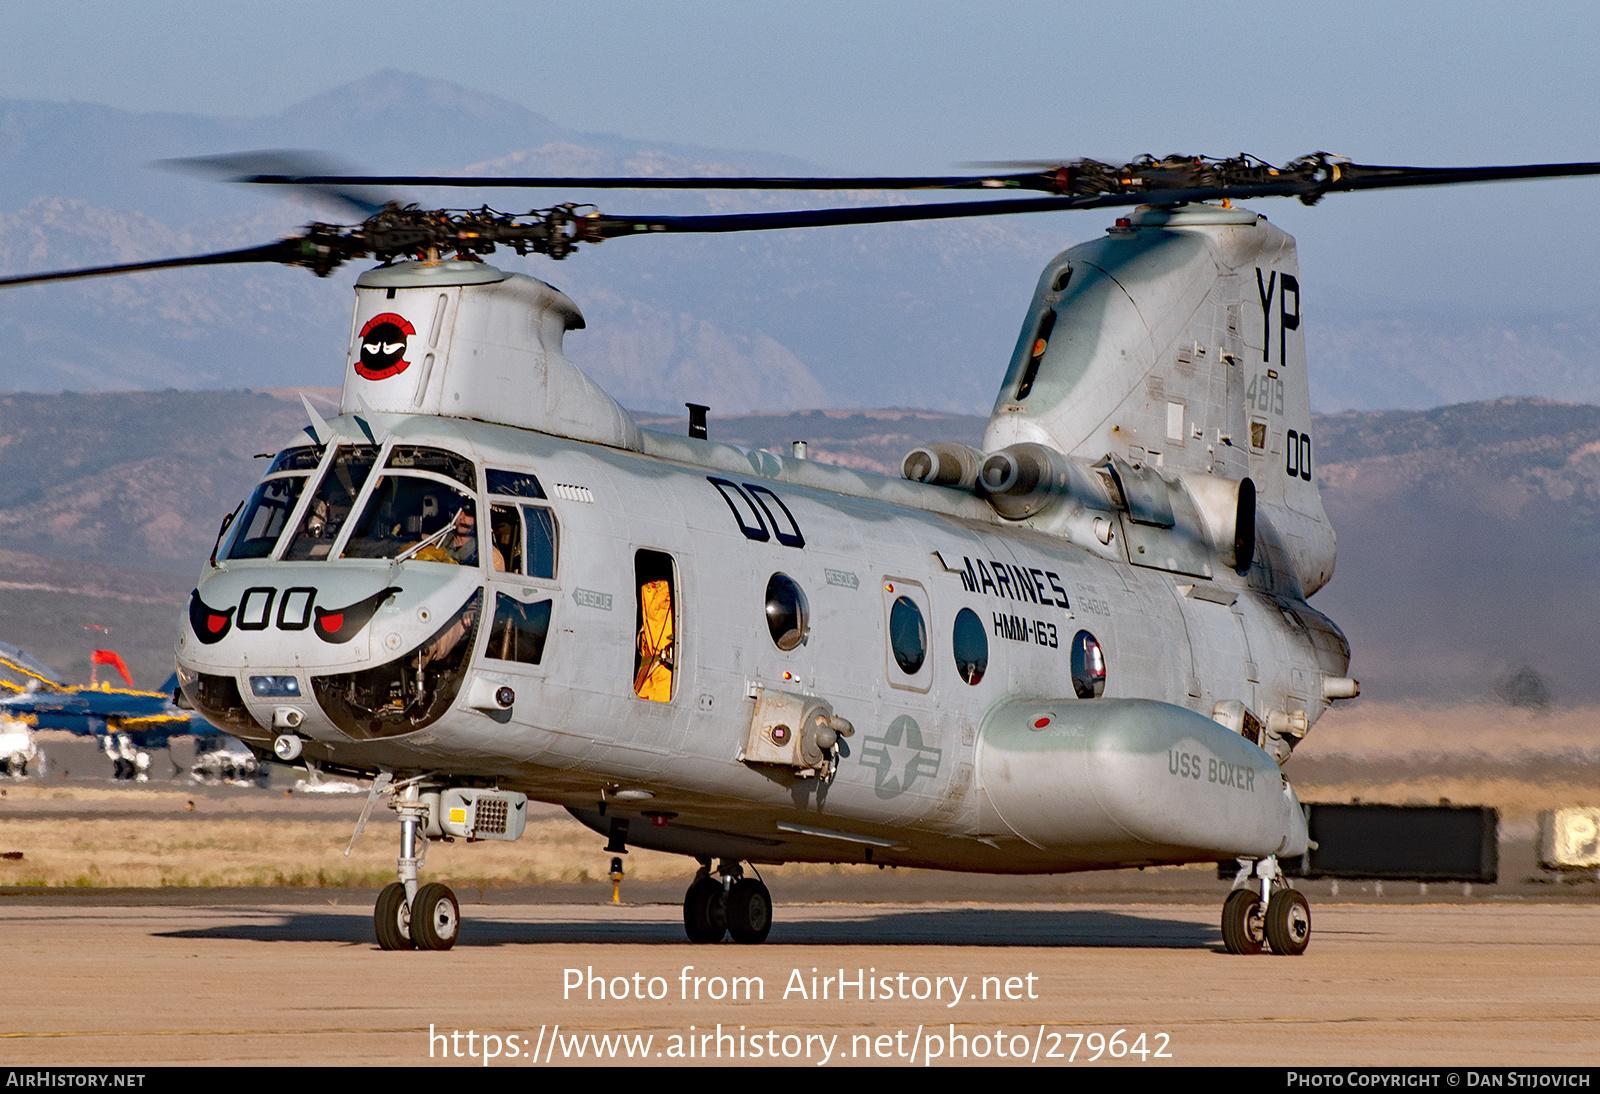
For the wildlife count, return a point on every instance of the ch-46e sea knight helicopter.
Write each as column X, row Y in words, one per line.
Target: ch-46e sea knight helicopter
column 1086, row 646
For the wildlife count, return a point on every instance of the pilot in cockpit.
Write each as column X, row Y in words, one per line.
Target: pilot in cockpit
column 462, row 546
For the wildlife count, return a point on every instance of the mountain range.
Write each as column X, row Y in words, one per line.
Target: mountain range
column 913, row 314
column 1469, row 535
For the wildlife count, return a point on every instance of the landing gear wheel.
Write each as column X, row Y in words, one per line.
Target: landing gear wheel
column 435, row 918
column 1242, row 928
column 392, row 918
column 749, row 912
column 1288, row 922
column 705, row 917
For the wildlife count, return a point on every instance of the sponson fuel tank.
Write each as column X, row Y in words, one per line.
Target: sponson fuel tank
column 1133, row 780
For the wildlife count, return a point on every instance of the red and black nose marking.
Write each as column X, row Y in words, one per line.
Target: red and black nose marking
column 210, row 624
column 339, row 625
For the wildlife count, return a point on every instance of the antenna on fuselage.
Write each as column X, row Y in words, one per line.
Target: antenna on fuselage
column 697, row 420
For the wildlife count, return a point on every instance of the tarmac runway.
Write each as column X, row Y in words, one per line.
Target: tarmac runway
column 106, row 982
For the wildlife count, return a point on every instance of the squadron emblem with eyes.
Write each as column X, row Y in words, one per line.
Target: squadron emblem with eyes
column 383, row 346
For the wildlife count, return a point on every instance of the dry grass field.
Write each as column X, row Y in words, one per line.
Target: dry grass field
column 1518, row 761
column 267, row 840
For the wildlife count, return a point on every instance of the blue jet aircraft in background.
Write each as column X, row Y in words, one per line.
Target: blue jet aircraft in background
column 128, row 721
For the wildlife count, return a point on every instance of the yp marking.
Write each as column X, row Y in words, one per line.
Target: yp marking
column 1284, row 285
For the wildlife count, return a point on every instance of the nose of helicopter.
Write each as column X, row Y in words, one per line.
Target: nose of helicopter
column 305, row 634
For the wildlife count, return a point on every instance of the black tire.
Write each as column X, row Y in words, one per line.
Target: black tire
column 1242, row 927
column 435, row 918
column 705, row 917
column 749, row 912
column 1288, row 923
column 392, row 918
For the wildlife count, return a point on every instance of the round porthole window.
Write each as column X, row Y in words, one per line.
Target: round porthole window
column 1088, row 667
column 908, row 635
column 971, row 646
column 787, row 616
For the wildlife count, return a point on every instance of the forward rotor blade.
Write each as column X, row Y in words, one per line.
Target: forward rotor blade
column 286, row 251
column 289, row 164
column 624, row 182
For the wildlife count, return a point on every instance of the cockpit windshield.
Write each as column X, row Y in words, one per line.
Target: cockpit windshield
column 405, row 510
column 264, row 517
column 273, row 501
column 331, row 504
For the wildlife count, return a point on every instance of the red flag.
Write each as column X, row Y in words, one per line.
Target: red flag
column 109, row 657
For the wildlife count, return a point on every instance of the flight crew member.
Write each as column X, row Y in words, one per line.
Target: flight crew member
column 462, row 546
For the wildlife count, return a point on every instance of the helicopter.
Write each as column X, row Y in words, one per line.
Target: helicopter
column 1087, row 644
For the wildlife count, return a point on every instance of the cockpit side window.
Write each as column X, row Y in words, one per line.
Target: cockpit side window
column 513, row 484
column 543, row 538
column 405, row 510
column 505, row 539
column 331, row 504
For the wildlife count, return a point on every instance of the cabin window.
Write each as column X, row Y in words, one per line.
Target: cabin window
column 519, row 630
column 788, row 618
column 332, row 502
column 409, row 511
column 1088, row 667
column 505, row 539
column 542, row 541
column 1036, row 348
column 655, row 623
column 265, row 517
column 908, row 635
column 971, row 646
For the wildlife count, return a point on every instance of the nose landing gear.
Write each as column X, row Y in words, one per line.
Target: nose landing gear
column 1263, row 911
column 407, row 916
column 730, row 904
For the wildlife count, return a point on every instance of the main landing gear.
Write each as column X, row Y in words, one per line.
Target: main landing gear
column 729, row 904
column 408, row 916
column 1263, row 911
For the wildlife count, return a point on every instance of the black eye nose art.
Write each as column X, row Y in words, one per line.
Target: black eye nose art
column 383, row 346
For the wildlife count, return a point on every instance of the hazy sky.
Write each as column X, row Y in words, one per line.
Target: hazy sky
column 859, row 86
column 925, row 86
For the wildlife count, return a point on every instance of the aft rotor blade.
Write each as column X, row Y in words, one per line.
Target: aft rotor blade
column 889, row 214
column 1358, row 176
column 285, row 251
column 1348, row 178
